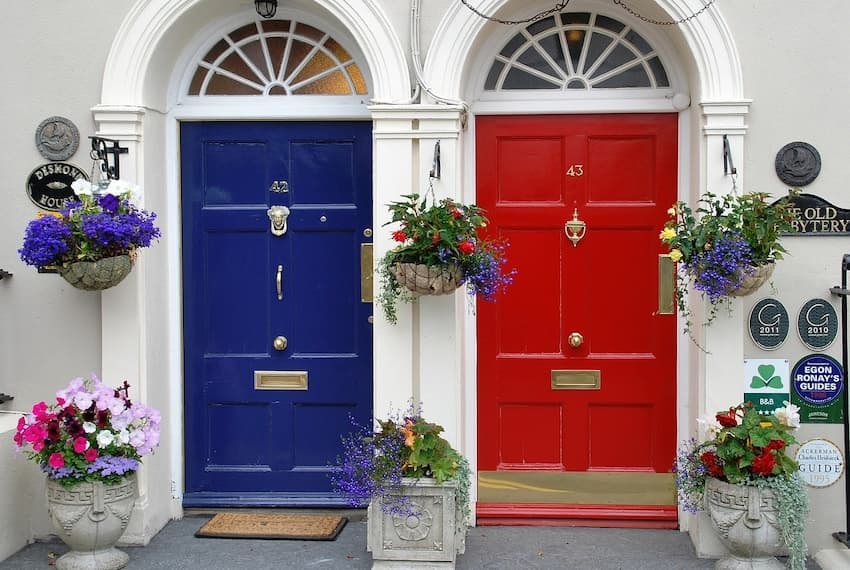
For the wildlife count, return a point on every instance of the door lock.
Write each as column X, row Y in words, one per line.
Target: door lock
column 575, row 339
column 280, row 343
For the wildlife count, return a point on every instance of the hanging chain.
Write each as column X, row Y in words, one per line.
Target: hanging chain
column 636, row 14
column 563, row 4
column 539, row 16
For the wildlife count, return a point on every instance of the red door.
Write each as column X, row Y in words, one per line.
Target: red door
column 576, row 364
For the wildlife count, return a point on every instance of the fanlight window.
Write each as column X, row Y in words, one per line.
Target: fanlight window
column 277, row 57
column 577, row 50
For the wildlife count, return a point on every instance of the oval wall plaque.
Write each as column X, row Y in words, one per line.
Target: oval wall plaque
column 817, row 324
column 769, row 324
column 49, row 185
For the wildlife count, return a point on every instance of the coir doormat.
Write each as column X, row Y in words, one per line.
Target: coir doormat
column 283, row 527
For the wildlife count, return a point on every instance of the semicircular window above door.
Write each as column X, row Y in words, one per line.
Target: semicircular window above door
column 576, row 51
column 277, row 57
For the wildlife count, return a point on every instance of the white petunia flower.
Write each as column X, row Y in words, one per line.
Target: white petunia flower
column 709, row 427
column 81, row 187
column 789, row 415
column 89, row 427
column 105, row 438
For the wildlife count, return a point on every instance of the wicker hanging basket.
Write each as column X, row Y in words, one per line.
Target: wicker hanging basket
column 755, row 277
column 428, row 279
column 97, row 275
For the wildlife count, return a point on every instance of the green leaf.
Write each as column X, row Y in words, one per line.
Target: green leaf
column 775, row 382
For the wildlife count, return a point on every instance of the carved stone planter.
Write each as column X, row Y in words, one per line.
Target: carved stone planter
column 90, row 518
column 432, row 538
column 745, row 518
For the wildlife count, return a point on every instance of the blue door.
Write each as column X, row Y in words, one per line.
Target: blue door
column 277, row 332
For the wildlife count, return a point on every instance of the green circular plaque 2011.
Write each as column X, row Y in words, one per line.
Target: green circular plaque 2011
column 769, row 324
column 817, row 324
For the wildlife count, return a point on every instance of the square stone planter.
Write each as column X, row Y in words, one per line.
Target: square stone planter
column 430, row 538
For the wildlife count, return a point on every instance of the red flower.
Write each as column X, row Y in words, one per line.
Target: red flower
column 91, row 454
column 399, row 235
column 712, row 463
column 456, row 213
column 435, row 238
column 466, row 247
column 728, row 419
column 776, row 444
column 763, row 464
column 56, row 460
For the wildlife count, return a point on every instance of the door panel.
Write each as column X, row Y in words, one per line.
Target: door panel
column 263, row 425
column 617, row 174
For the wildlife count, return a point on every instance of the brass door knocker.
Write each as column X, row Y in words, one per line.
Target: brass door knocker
column 575, row 228
column 278, row 215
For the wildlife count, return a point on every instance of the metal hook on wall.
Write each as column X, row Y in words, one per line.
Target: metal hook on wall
column 728, row 165
column 435, row 163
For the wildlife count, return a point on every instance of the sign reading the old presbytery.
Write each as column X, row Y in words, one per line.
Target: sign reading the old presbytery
column 816, row 216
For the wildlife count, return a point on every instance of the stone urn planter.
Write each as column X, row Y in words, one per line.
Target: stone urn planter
column 745, row 518
column 90, row 518
column 96, row 275
column 431, row 538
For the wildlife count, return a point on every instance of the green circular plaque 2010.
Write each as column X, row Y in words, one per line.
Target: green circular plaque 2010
column 769, row 324
column 817, row 324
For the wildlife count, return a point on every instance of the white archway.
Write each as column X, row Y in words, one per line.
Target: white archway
column 146, row 29
column 709, row 39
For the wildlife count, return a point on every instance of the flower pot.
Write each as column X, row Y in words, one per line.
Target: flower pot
column 90, row 518
column 431, row 538
column 97, row 275
column 428, row 279
column 745, row 518
column 754, row 278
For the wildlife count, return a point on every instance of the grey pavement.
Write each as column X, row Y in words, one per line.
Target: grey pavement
column 491, row 548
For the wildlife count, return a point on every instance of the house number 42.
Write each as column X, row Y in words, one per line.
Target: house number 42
column 575, row 170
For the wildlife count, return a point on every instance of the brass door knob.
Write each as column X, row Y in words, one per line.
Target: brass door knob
column 575, row 339
column 280, row 343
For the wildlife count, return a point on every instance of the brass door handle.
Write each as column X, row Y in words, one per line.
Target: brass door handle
column 279, row 282
column 575, row 339
column 280, row 343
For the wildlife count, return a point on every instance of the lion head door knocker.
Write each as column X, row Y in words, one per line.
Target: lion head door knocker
column 575, row 228
column 278, row 215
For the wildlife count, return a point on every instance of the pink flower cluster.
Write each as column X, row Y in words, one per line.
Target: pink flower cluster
column 92, row 432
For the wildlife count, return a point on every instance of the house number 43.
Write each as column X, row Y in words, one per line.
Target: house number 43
column 575, row 170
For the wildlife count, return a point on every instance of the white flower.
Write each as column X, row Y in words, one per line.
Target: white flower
column 709, row 427
column 789, row 415
column 105, row 438
column 124, row 437
column 81, row 187
column 89, row 427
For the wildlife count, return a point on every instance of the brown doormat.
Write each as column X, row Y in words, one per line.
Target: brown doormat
column 286, row 527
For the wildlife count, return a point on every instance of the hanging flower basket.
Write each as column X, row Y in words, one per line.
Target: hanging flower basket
column 428, row 279
column 96, row 275
column 755, row 277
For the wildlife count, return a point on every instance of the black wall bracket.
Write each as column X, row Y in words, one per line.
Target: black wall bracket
column 4, row 274
column 728, row 165
column 101, row 149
